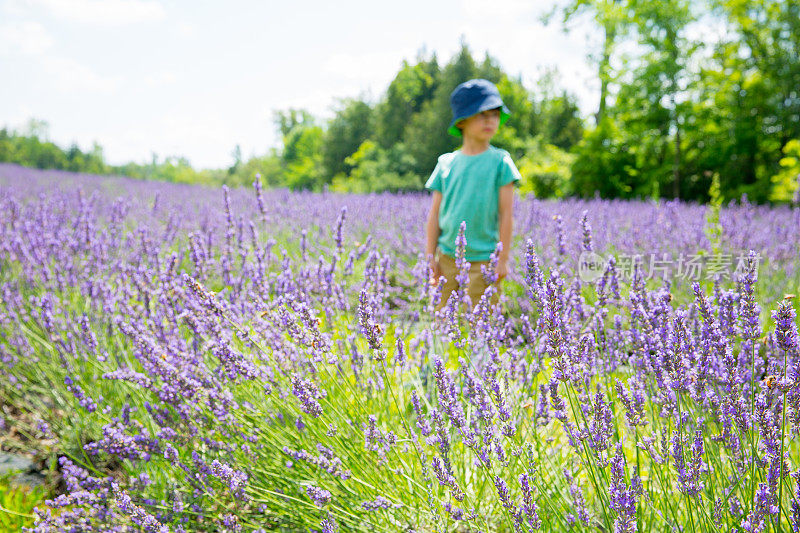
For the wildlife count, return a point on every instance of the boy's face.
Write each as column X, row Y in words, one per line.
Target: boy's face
column 481, row 127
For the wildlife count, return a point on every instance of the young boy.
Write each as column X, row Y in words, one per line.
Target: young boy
column 474, row 184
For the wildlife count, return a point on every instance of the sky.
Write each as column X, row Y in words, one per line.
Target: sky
column 196, row 78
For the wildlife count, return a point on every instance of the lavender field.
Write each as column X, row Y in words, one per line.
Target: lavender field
column 183, row 358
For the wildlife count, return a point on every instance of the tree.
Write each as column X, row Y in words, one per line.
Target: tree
column 286, row 120
column 521, row 125
column 653, row 101
column 561, row 124
column 37, row 129
column 409, row 90
column 786, row 184
column 376, row 169
column 302, row 157
column 351, row 125
column 545, row 169
column 610, row 16
column 753, row 82
column 269, row 166
column 236, row 154
column 426, row 134
column 556, row 116
column 605, row 165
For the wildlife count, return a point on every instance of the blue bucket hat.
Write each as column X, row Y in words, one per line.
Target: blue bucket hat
column 473, row 97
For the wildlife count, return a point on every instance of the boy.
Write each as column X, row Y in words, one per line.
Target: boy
column 474, row 184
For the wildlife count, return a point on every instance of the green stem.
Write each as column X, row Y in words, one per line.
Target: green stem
column 589, row 464
column 751, row 501
column 683, row 454
column 783, row 430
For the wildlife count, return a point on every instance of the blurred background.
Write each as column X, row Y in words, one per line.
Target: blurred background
column 617, row 99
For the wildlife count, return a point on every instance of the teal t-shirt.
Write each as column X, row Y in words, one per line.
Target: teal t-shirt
column 470, row 187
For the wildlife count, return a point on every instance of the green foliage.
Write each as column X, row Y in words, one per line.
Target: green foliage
column 411, row 88
column 378, row 169
column 426, row 134
column 173, row 169
column 545, row 169
column 352, row 125
column 786, row 183
column 612, row 19
column 289, row 119
column 268, row 166
column 560, row 121
column 686, row 105
column 713, row 229
column 17, row 503
column 32, row 149
column 606, row 165
column 302, row 157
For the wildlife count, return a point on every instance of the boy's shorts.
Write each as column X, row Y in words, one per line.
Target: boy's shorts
column 477, row 285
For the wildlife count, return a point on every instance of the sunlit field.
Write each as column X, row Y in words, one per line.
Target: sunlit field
column 180, row 358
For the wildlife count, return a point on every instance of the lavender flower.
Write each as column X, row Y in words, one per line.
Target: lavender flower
column 503, row 494
column 422, row 421
column 587, row 233
column 339, row 224
column 369, row 327
column 137, row 515
column 378, row 503
column 489, row 271
column 462, row 266
column 308, row 393
column 794, row 519
column 43, row 428
column 320, row 497
column 561, row 239
column 182, row 306
column 581, row 513
column 529, row 503
column 235, row 480
column 633, row 401
column 259, row 195
column 329, row 525
column 786, row 328
column 622, row 498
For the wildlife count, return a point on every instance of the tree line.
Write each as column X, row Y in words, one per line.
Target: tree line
column 678, row 107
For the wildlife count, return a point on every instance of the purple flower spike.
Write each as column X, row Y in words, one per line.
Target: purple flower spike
column 786, row 328
column 586, row 245
column 308, row 393
column 320, row 497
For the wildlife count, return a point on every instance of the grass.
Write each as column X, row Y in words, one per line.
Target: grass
column 17, row 503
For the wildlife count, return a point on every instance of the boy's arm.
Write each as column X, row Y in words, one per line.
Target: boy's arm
column 432, row 232
column 505, row 209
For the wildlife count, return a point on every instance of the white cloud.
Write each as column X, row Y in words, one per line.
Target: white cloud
column 160, row 79
column 13, row 7
column 185, row 29
column 104, row 12
column 367, row 66
column 206, row 139
column 68, row 75
column 500, row 10
column 17, row 118
column 31, row 40
column 28, row 38
column 315, row 101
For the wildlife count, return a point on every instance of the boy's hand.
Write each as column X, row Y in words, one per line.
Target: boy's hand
column 502, row 269
column 436, row 271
